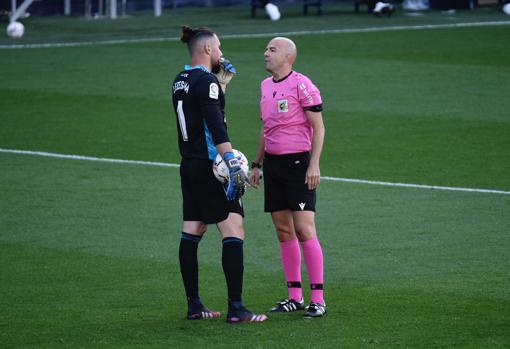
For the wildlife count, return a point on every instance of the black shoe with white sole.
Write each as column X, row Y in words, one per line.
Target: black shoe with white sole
column 287, row 306
column 315, row 310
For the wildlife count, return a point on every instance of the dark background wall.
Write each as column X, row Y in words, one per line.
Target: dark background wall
column 56, row 7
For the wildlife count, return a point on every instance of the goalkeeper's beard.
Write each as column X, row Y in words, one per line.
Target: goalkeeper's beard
column 216, row 67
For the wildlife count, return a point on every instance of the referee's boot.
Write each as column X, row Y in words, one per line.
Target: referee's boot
column 287, row 305
column 315, row 310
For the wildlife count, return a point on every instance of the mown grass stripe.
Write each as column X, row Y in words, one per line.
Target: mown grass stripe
column 327, row 178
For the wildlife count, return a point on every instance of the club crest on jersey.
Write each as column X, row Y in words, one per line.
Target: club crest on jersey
column 283, row 105
column 214, row 91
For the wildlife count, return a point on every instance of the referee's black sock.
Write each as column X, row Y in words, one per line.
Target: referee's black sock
column 189, row 265
column 233, row 267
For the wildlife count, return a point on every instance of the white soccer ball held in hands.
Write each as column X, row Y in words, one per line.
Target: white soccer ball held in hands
column 220, row 168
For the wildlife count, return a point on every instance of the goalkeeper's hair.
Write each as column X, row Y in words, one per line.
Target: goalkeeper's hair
column 193, row 36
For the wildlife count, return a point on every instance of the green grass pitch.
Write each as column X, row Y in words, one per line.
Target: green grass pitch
column 88, row 250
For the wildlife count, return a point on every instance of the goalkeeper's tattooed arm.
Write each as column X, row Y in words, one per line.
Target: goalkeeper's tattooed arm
column 226, row 73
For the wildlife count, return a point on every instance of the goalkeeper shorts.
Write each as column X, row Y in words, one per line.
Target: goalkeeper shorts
column 284, row 183
column 203, row 197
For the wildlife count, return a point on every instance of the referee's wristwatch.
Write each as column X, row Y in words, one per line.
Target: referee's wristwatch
column 256, row 165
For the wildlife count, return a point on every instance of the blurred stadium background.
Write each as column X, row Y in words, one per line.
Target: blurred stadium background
column 88, row 248
column 58, row 7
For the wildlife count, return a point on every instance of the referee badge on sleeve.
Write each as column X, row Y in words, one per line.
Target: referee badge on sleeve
column 213, row 91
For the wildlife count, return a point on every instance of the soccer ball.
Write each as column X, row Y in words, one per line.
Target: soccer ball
column 383, row 8
column 15, row 30
column 506, row 8
column 273, row 11
column 220, row 168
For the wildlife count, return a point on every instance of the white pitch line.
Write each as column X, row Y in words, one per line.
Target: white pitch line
column 87, row 158
column 326, row 178
column 263, row 35
column 419, row 186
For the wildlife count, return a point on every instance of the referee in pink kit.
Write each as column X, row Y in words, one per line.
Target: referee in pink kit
column 290, row 146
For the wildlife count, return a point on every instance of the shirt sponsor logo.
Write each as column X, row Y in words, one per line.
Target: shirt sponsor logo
column 309, row 98
column 283, row 106
column 214, row 91
column 181, row 85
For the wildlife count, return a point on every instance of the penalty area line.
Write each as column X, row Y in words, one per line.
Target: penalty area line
column 325, row 178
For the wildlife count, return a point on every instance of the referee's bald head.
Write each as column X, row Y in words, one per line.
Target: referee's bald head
column 287, row 46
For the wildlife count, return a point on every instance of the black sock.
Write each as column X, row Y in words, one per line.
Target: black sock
column 232, row 260
column 189, row 265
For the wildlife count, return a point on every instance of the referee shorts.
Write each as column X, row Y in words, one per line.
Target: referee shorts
column 203, row 197
column 284, row 183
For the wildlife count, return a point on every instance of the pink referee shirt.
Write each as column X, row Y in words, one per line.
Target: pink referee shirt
column 286, row 126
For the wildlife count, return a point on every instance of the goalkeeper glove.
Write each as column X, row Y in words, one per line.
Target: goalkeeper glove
column 226, row 73
column 235, row 185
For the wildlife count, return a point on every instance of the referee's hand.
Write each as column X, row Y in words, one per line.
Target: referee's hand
column 255, row 177
column 313, row 176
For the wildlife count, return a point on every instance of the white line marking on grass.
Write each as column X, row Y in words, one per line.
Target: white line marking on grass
column 326, row 178
column 419, row 186
column 263, row 35
column 87, row 158
column 370, row 29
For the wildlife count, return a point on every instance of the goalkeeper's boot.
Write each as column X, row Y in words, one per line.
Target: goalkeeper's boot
column 288, row 305
column 241, row 314
column 315, row 310
column 197, row 311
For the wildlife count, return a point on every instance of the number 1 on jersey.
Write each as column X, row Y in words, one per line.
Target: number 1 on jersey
column 182, row 121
